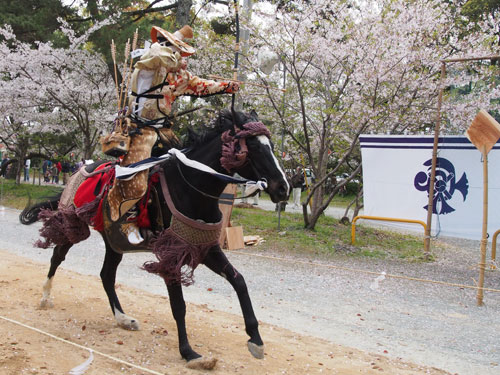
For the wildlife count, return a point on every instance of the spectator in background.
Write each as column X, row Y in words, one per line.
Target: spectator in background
column 45, row 169
column 53, row 173
column 3, row 167
column 297, row 182
column 27, row 165
column 243, row 193
column 59, row 169
column 256, row 199
column 66, row 168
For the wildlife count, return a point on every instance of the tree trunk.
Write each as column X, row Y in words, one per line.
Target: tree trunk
column 183, row 9
column 88, row 149
column 21, row 153
column 19, row 169
column 359, row 205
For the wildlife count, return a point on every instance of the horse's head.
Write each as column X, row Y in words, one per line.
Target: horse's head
column 247, row 150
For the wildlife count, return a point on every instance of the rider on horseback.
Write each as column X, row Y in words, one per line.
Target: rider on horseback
column 159, row 77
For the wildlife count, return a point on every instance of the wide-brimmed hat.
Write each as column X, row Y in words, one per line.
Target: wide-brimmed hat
column 177, row 38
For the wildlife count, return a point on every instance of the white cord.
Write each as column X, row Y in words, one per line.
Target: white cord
column 81, row 346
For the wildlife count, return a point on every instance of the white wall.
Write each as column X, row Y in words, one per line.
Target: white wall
column 392, row 163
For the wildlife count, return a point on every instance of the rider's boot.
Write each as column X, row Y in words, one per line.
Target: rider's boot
column 131, row 229
column 132, row 232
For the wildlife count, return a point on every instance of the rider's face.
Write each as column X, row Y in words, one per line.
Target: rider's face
column 166, row 43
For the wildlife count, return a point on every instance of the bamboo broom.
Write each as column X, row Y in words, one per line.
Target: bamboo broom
column 134, row 46
column 125, row 61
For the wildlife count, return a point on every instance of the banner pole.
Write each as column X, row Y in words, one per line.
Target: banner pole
column 427, row 239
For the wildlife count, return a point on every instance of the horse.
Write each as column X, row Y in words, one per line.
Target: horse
column 236, row 143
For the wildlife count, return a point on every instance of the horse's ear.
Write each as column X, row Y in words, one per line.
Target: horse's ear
column 191, row 133
column 254, row 115
column 190, row 137
column 236, row 120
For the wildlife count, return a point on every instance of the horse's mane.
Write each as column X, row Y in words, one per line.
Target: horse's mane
column 204, row 134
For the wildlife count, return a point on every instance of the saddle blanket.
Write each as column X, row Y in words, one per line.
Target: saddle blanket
column 93, row 186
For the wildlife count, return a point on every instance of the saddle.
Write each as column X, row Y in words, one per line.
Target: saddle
column 87, row 192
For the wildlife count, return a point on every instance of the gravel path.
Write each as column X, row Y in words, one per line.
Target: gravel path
column 425, row 323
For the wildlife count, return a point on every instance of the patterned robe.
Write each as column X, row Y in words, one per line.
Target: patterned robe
column 158, row 65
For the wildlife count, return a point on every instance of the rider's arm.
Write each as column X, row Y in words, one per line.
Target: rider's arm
column 197, row 86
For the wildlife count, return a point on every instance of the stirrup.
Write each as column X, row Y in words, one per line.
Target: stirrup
column 117, row 233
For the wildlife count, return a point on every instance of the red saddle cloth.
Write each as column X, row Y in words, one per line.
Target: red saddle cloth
column 91, row 189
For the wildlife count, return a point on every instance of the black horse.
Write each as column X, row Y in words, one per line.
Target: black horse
column 237, row 143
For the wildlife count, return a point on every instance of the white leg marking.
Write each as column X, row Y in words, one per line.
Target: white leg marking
column 265, row 141
column 46, row 302
column 125, row 321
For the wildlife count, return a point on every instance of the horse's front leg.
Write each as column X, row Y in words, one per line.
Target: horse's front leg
column 108, row 276
column 58, row 256
column 178, row 306
column 216, row 261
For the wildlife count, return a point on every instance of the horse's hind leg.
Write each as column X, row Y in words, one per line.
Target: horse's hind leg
column 58, row 256
column 108, row 276
column 217, row 262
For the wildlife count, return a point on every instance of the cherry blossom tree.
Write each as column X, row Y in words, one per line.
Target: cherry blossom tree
column 353, row 70
column 48, row 89
column 16, row 138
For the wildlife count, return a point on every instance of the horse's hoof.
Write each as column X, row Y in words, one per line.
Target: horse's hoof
column 126, row 322
column 46, row 303
column 256, row 350
column 202, row 363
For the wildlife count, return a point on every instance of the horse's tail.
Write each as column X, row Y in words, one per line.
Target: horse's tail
column 30, row 213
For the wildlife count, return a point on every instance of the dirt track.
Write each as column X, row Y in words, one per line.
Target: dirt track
column 425, row 323
column 81, row 316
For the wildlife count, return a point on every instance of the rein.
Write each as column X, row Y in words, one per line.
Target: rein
column 260, row 185
column 192, row 186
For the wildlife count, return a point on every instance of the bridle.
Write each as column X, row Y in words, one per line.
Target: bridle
column 234, row 146
column 234, row 152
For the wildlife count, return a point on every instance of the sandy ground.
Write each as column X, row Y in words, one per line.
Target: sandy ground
column 81, row 315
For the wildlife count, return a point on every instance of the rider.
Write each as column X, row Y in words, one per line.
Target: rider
column 159, row 77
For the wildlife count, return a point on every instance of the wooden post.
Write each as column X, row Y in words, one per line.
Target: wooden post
column 484, row 133
column 226, row 203
column 234, row 238
column 427, row 239
column 484, row 234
